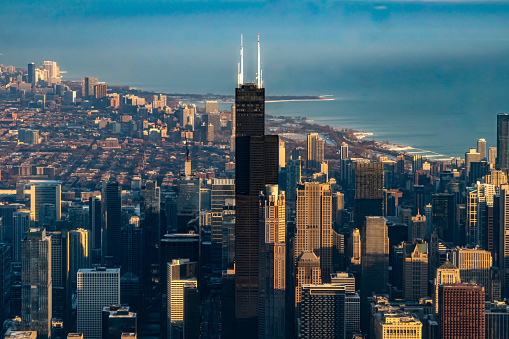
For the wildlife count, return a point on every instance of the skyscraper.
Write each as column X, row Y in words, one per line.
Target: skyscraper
column 415, row 270
column 443, row 216
column 397, row 324
column 502, row 142
column 222, row 192
column 152, row 232
column 447, row 274
column 36, row 284
column 322, row 311
column 79, row 253
column 95, row 221
column 315, row 147
column 90, row 303
column 375, row 256
column 181, row 272
column 474, row 265
column 132, row 266
column 31, row 73
column 369, row 181
column 45, row 192
column 272, row 283
column 503, row 256
column 481, row 148
column 5, row 280
column 21, row 225
column 313, row 223
column 461, row 311
column 111, row 209
column 256, row 166
column 87, row 87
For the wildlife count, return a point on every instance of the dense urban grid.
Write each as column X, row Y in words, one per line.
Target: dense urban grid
column 126, row 214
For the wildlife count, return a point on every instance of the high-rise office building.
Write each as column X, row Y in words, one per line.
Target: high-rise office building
column 416, row 163
column 132, row 265
column 177, row 246
column 397, row 324
column 100, row 91
column 5, row 281
column 481, row 148
column 60, row 277
column 315, row 147
column 474, row 265
column 79, row 253
column 221, row 194
column 415, row 270
column 95, row 226
column 189, row 203
column 322, row 311
column 152, row 232
column 181, row 272
column 471, row 156
column 352, row 301
column 90, row 303
column 502, row 162
column 272, row 282
column 21, row 225
column 344, row 151
column 211, row 107
column 375, row 256
column 293, row 178
column 87, row 87
column 45, row 192
column 355, row 248
column 369, row 181
column 492, row 157
column 313, row 224
column 36, row 285
column 31, row 73
column 503, row 255
column 444, row 216
column 447, row 274
column 418, row 227
column 461, row 311
column 191, row 317
column 111, row 209
column 256, row 165
column 117, row 320
column 496, row 317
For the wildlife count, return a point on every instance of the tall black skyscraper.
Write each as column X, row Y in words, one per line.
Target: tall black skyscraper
column 31, row 73
column 256, row 166
column 369, row 184
column 151, row 224
column 112, row 221
column 503, row 142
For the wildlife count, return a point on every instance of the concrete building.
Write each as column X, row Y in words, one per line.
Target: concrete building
column 36, row 289
column 272, row 271
column 474, row 265
column 181, row 272
column 315, row 147
column 397, row 324
column 79, row 253
column 322, row 311
column 415, row 270
column 461, row 311
column 446, row 274
column 90, row 303
column 45, row 192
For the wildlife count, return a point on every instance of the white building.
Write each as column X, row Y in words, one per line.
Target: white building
column 97, row 288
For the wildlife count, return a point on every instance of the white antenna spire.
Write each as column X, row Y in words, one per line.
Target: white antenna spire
column 261, row 75
column 258, row 74
column 241, row 66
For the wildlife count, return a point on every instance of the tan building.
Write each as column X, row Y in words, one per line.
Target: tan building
column 446, row 274
column 316, row 146
column 355, row 247
column 271, row 292
column 314, row 229
column 418, row 227
column 282, row 155
column 308, row 272
column 397, row 325
column 415, row 270
column 474, row 265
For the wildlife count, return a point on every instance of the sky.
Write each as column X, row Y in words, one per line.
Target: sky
column 192, row 46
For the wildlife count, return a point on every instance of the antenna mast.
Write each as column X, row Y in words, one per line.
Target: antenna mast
column 241, row 64
column 259, row 73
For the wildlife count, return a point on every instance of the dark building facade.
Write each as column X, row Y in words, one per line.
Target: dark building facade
column 256, row 166
column 369, row 184
column 502, row 142
column 112, row 221
column 443, row 212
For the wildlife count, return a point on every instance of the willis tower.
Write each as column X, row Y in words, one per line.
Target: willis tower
column 256, row 166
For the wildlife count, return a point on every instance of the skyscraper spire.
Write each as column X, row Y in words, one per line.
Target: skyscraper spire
column 259, row 73
column 241, row 65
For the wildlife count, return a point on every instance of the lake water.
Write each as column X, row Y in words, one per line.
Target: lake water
column 429, row 74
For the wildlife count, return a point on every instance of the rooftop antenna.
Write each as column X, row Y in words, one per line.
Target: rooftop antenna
column 241, row 65
column 258, row 74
